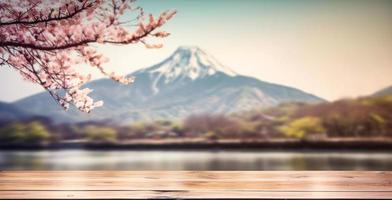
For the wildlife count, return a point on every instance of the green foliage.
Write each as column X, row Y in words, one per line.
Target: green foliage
column 20, row 133
column 377, row 119
column 211, row 135
column 100, row 134
column 36, row 132
column 301, row 127
column 177, row 128
column 12, row 133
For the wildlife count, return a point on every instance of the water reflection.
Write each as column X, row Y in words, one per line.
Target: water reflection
column 193, row 160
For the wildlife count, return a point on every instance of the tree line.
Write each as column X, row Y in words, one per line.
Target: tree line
column 355, row 118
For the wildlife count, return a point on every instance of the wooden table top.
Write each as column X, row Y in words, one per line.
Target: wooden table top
column 195, row 184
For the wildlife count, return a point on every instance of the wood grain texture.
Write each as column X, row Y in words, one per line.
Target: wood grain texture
column 195, row 184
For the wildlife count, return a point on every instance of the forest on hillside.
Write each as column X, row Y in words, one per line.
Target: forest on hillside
column 368, row 117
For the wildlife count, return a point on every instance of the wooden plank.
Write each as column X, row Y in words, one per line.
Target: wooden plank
column 198, row 175
column 196, row 194
column 195, row 184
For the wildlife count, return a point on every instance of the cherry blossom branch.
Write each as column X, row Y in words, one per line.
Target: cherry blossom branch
column 47, row 46
column 49, row 17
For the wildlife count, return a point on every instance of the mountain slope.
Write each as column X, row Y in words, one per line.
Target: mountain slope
column 383, row 92
column 9, row 112
column 189, row 81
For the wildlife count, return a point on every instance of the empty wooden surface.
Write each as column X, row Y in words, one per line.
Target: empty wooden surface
column 195, row 184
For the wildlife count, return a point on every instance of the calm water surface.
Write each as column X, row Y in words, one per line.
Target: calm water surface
column 193, row 160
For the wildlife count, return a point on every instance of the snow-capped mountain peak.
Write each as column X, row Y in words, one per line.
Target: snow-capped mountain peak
column 188, row 62
column 197, row 85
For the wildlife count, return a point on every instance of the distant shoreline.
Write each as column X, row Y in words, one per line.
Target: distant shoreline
column 275, row 144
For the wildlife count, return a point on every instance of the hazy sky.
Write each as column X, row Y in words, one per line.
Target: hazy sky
column 332, row 49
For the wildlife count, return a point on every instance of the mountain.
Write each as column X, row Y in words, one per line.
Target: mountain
column 10, row 112
column 189, row 81
column 383, row 92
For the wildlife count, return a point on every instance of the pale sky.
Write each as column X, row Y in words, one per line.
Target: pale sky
column 333, row 49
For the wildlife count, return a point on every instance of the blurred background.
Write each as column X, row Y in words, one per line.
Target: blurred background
column 239, row 85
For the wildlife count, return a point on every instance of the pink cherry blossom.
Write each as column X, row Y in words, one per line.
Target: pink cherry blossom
column 47, row 41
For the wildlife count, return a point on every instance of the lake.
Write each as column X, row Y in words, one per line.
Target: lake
column 193, row 160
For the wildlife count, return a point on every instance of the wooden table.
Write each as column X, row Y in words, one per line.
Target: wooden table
column 195, row 184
